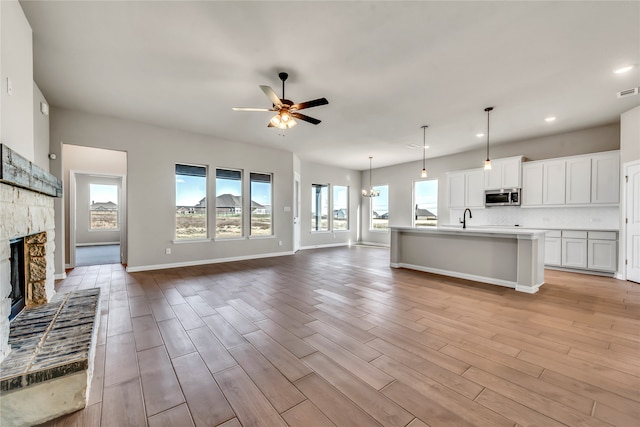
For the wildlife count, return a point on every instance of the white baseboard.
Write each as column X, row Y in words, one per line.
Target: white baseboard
column 473, row 277
column 381, row 245
column 60, row 276
column 98, row 244
column 331, row 245
column 134, row 269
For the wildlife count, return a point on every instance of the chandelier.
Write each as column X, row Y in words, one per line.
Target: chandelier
column 371, row 192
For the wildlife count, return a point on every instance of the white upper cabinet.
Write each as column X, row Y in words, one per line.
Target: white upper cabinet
column 605, row 178
column 553, row 182
column 532, row 183
column 466, row 189
column 578, row 185
column 474, row 197
column 572, row 181
column 504, row 173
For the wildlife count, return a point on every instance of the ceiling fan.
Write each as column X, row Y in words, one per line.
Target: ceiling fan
column 286, row 109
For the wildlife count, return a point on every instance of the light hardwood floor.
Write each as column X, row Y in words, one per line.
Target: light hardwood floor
column 336, row 337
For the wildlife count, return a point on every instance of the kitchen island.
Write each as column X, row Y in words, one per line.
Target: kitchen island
column 511, row 257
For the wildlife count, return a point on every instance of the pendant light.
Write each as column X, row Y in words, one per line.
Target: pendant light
column 423, row 174
column 487, row 163
column 371, row 192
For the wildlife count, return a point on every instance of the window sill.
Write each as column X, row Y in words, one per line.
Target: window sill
column 379, row 231
column 229, row 239
column 181, row 241
column 261, row 237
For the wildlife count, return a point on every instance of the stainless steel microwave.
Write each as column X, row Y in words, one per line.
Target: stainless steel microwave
column 502, row 197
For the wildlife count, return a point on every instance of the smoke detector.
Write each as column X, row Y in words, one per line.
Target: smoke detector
column 628, row 92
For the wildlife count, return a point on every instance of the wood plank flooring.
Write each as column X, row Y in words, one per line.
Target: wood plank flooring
column 334, row 337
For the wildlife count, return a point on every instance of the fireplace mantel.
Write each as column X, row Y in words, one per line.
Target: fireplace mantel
column 17, row 171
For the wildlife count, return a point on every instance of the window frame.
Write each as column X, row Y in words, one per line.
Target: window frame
column 333, row 208
column 242, row 210
column 327, row 187
column 415, row 203
column 206, row 237
column 271, row 210
column 371, row 210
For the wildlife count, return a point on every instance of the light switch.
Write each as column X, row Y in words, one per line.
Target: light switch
column 9, row 86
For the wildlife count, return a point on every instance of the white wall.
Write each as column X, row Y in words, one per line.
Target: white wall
column 151, row 156
column 40, row 130
column 16, row 52
column 400, row 178
column 312, row 173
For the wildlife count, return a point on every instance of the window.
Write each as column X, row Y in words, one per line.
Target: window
column 319, row 207
column 228, row 203
column 380, row 209
column 103, row 211
column 261, row 218
column 191, row 202
column 425, row 197
column 340, row 207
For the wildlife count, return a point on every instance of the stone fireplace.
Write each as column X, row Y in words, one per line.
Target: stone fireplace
column 26, row 211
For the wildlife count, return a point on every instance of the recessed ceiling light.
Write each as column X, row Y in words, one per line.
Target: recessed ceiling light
column 479, row 135
column 623, row 69
column 426, row 147
column 549, row 119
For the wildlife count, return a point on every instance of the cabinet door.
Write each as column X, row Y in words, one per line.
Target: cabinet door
column 474, row 189
column 493, row 177
column 553, row 180
column 511, row 173
column 553, row 251
column 532, row 184
column 602, row 255
column 456, row 190
column 574, row 253
column 605, row 178
column 578, row 185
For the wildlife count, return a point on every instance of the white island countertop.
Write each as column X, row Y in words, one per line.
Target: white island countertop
column 505, row 256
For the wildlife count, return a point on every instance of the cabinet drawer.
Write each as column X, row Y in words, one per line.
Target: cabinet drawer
column 553, row 233
column 602, row 235
column 574, row 234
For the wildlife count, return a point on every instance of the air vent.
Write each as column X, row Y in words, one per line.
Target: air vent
column 413, row 146
column 629, row 92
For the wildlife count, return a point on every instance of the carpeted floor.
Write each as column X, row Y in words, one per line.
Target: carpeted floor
column 97, row 255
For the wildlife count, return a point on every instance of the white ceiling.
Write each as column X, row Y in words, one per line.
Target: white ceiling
column 387, row 68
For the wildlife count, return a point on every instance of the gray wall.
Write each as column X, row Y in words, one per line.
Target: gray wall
column 40, row 130
column 400, row 178
column 85, row 160
column 151, row 156
column 312, row 173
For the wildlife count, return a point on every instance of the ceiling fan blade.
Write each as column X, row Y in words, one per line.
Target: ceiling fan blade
column 251, row 109
column 270, row 125
column 271, row 95
column 309, row 104
column 305, row 118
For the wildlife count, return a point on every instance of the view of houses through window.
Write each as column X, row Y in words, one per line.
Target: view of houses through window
column 261, row 201
column 380, row 209
column 319, row 207
column 191, row 202
column 103, row 211
column 425, row 197
column 228, row 203
column 340, row 207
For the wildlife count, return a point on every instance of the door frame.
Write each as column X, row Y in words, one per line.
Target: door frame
column 624, row 229
column 296, row 212
column 122, row 213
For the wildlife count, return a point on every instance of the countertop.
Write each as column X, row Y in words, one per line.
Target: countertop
column 489, row 231
column 509, row 227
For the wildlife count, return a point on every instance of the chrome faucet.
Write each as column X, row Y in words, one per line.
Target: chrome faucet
column 464, row 217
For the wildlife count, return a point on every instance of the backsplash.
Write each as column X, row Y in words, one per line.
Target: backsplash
column 562, row 217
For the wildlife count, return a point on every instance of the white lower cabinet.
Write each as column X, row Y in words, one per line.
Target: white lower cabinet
column 602, row 251
column 584, row 250
column 574, row 253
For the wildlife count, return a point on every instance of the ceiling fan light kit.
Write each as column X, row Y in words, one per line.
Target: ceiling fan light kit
column 286, row 110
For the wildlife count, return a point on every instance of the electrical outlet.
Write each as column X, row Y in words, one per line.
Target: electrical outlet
column 167, row 251
column 280, row 243
column 9, row 86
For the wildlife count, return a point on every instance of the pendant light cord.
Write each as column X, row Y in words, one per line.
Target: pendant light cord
column 488, row 110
